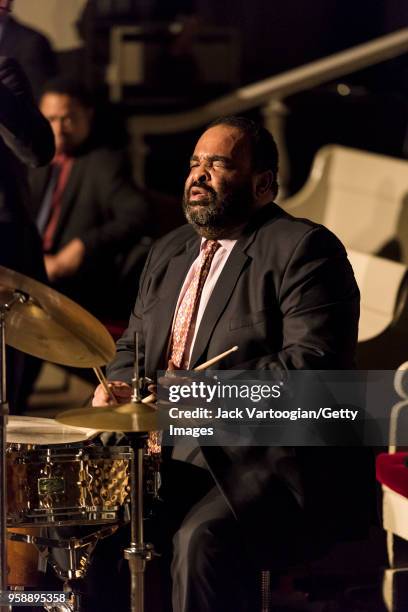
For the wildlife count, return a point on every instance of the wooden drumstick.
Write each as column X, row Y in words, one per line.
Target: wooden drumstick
column 213, row 360
column 102, row 379
column 199, row 368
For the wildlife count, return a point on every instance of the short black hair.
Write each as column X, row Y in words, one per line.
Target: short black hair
column 263, row 146
column 66, row 86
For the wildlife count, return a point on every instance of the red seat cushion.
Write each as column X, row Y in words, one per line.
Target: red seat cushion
column 392, row 472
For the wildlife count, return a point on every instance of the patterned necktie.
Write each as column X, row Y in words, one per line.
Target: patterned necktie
column 189, row 305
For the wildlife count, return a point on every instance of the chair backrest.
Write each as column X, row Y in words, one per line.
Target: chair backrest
column 381, row 284
column 360, row 196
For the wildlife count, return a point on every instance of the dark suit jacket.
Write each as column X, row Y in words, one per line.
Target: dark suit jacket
column 101, row 206
column 26, row 139
column 288, row 298
column 32, row 51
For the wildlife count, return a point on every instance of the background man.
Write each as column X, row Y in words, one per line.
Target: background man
column 31, row 49
column 244, row 272
column 86, row 206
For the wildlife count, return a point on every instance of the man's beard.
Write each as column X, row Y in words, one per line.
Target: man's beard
column 222, row 214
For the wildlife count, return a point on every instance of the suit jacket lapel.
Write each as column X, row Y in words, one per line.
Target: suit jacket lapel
column 226, row 283
column 173, row 281
column 168, row 296
column 218, row 300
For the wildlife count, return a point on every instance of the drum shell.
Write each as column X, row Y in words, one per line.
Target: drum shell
column 22, row 561
column 66, row 485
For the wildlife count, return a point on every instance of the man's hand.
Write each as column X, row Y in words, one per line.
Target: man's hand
column 66, row 262
column 51, row 267
column 164, row 380
column 120, row 390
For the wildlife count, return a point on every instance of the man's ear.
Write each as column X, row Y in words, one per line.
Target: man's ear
column 263, row 184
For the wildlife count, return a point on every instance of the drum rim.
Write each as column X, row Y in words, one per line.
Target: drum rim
column 65, row 517
column 71, row 453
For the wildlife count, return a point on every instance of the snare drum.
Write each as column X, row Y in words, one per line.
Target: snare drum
column 66, row 486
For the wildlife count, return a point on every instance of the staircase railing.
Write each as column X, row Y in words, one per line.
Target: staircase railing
column 269, row 92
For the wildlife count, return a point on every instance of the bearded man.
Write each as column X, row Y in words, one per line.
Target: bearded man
column 280, row 288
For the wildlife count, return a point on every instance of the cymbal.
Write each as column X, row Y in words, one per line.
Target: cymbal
column 134, row 416
column 52, row 327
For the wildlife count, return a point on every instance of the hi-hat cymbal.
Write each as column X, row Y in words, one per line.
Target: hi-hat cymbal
column 48, row 325
column 120, row 417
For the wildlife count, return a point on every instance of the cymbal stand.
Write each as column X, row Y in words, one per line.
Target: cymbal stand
column 4, row 411
column 138, row 552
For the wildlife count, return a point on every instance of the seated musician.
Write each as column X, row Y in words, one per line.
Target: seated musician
column 243, row 272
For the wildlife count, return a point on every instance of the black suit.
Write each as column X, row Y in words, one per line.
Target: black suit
column 32, row 51
column 25, row 139
column 101, row 207
column 287, row 283
column 288, row 298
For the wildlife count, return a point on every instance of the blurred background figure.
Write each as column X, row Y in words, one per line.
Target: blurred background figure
column 88, row 211
column 25, row 139
column 30, row 48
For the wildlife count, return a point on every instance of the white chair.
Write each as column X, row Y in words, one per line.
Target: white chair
column 381, row 284
column 358, row 195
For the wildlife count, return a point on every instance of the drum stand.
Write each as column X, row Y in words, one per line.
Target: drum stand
column 79, row 559
column 138, row 552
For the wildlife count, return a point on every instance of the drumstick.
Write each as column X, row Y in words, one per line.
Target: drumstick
column 213, row 360
column 199, row 368
column 101, row 377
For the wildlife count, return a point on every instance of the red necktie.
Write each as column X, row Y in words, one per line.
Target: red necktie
column 64, row 164
column 188, row 306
